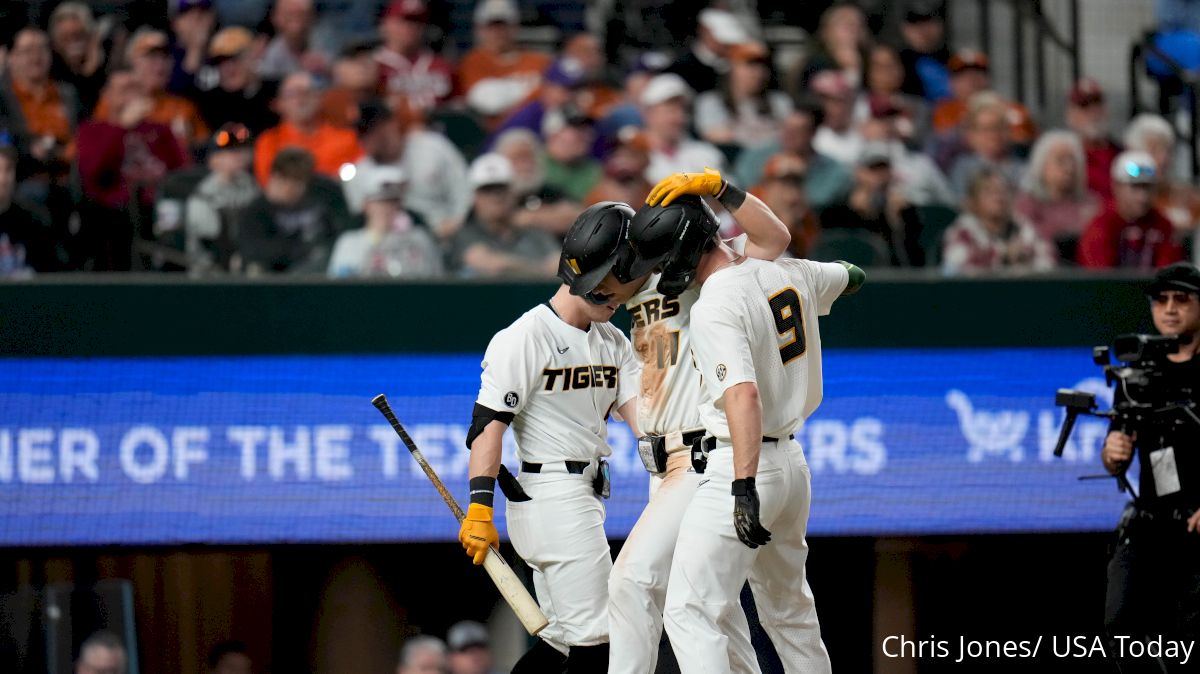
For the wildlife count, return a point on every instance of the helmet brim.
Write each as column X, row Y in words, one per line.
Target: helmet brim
column 587, row 282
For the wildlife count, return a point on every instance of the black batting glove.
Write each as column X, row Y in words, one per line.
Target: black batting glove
column 745, row 514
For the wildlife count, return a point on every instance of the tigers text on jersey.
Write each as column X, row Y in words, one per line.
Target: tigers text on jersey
column 756, row 321
column 560, row 382
column 671, row 390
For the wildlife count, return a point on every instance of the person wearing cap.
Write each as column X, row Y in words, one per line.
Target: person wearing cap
column 78, row 59
column 877, row 207
column 782, row 190
column 987, row 132
column 1130, row 231
column 192, row 26
column 470, row 650
column 567, row 162
column 355, row 80
column 408, row 68
column 392, row 242
column 298, row 104
column 841, row 38
column 915, row 173
column 1177, row 199
column 1087, row 115
column 624, row 177
column 239, row 95
column 665, row 106
column 294, row 46
column 562, row 86
column 208, row 210
column 837, row 137
column 743, row 111
column 826, row 180
column 539, row 205
column 489, row 244
column 1054, row 197
column 422, row 654
column 497, row 75
column 923, row 50
column 706, row 61
column 987, row 237
column 1152, row 575
column 970, row 73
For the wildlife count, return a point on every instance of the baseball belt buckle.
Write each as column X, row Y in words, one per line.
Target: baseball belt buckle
column 700, row 449
column 653, row 451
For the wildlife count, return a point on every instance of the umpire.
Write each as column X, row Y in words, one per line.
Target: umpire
column 1154, row 575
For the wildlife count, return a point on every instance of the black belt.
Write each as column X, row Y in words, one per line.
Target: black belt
column 710, row 443
column 573, row 467
column 688, row 438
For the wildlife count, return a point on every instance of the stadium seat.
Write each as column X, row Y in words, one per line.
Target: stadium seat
column 865, row 249
column 935, row 220
column 462, row 129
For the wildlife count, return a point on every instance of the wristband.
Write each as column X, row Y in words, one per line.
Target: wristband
column 731, row 196
column 743, row 486
column 483, row 490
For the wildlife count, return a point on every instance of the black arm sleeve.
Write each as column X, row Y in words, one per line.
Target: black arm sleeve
column 482, row 416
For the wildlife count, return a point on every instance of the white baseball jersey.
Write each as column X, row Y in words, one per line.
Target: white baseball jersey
column 756, row 321
column 671, row 390
column 560, row 382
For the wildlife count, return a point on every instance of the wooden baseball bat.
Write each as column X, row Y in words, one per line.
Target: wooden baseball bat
column 502, row 575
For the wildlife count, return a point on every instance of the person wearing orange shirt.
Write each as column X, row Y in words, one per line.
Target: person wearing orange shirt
column 496, row 75
column 970, row 73
column 41, row 114
column 150, row 61
column 300, row 126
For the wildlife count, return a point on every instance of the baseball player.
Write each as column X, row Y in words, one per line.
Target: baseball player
column 669, row 414
column 555, row 375
column 756, row 343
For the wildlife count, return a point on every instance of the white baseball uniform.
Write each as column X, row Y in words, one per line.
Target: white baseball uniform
column 755, row 322
column 561, row 383
column 669, row 404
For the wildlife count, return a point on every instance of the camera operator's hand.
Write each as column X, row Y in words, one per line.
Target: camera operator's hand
column 1118, row 450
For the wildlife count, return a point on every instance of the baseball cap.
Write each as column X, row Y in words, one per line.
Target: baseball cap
column 1134, row 167
column 749, row 52
column 465, row 634
column 875, row 154
column 490, row 169
column 146, row 41
column 1179, row 276
column 831, row 84
column 650, row 62
column 968, row 59
column 182, row 6
column 785, row 166
column 497, row 11
column 883, row 106
column 724, row 26
column 409, row 10
column 922, row 10
column 565, row 72
column 371, row 116
column 1086, row 92
column 229, row 42
column 231, row 136
column 663, row 88
column 384, row 183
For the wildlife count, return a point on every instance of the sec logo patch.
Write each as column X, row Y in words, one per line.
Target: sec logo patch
column 721, row 372
column 512, row 399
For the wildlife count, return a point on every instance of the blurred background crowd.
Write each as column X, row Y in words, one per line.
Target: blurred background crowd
column 421, row 139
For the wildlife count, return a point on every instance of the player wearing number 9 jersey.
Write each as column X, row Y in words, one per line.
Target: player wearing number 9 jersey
column 757, row 347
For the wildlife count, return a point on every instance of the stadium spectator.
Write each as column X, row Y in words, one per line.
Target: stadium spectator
column 438, row 190
column 986, row 237
column 665, row 102
column 230, row 657
column 470, row 652
column 837, row 137
column 539, row 205
column 1054, row 197
column 213, row 207
column 599, row 95
column 192, row 26
column 566, row 162
column 490, row 244
column 423, row 655
column 826, row 181
column 79, row 58
column 122, row 159
column 987, row 131
column 293, row 48
column 355, row 81
column 408, row 69
column 392, row 242
column 923, row 51
column 624, row 177
column 562, row 85
column 1174, row 198
column 298, row 104
column 917, row 175
column 150, row 64
column 239, row 95
column 291, row 227
column 497, row 75
column 1131, row 231
column 1087, row 115
column 26, row 240
column 884, row 77
column 782, row 190
column 627, row 111
column 841, row 39
column 705, row 62
column 102, row 653
column 877, row 205
column 970, row 74
column 744, row 111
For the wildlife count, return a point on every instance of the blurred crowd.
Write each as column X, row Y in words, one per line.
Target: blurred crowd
column 389, row 138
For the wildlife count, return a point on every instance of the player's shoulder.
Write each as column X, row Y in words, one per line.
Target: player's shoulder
column 610, row 332
column 519, row 333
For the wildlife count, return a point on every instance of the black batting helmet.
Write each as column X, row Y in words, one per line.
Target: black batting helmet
column 590, row 248
column 669, row 239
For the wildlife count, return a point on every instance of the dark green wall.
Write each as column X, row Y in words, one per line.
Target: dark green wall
column 114, row 315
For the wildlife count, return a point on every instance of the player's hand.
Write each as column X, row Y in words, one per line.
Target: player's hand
column 1118, row 450
column 745, row 514
column 706, row 184
column 477, row 533
column 1194, row 522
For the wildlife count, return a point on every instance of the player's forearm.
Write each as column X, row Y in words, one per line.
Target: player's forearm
column 628, row 412
column 743, row 410
column 766, row 235
column 486, row 451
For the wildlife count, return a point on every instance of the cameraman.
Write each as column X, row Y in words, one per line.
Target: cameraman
column 1154, row 574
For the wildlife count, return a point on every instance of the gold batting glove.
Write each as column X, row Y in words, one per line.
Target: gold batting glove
column 477, row 533
column 707, row 184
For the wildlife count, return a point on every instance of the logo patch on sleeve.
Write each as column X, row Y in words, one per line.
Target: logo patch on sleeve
column 512, row 399
column 721, row 372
